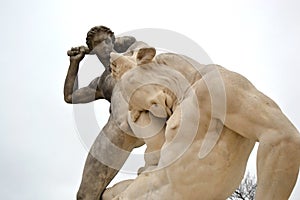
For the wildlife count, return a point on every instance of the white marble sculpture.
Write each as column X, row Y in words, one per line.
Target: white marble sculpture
column 208, row 120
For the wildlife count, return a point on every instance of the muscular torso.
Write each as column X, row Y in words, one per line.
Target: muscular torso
column 106, row 84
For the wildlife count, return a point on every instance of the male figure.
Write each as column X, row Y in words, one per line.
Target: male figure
column 249, row 116
column 96, row 175
column 100, row 41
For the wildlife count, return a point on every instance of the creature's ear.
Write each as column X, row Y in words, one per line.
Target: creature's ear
column 145, row 55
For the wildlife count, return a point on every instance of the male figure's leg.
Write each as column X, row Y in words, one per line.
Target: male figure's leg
column 98, row 174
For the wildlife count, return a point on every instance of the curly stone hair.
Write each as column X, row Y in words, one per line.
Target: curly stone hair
column 95, row 30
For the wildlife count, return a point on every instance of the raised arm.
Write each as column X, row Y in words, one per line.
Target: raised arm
column 72, row 94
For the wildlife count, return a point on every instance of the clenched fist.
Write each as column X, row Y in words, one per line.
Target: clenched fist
column 78, row 53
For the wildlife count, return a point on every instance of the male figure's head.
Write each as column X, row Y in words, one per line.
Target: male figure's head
column 100, row 40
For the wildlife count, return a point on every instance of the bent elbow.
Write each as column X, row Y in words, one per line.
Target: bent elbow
column 68, row 99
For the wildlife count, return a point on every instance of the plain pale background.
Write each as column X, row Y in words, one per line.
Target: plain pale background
column 41, row 153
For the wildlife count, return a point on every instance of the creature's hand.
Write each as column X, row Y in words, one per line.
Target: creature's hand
column 78, row 53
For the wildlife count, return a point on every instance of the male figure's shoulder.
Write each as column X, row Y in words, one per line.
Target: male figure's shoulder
column 128, row 43
column 123, row 43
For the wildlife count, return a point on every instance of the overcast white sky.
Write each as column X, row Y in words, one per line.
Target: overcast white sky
column 41, row 155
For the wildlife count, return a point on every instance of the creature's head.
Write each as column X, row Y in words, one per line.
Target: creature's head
column 121, row 63
column 148, row 97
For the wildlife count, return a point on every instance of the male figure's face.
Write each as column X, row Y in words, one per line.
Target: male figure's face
column 102, row 45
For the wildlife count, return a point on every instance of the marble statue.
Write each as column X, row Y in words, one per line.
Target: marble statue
column 202, row 149
column 199, row 122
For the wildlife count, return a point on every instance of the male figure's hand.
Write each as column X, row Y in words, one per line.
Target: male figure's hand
column 77, row 53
